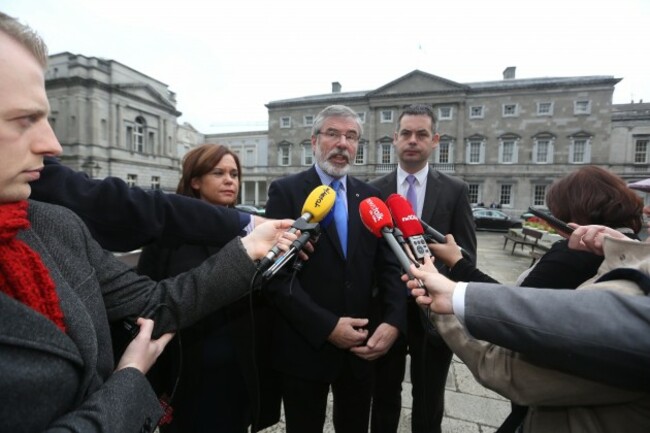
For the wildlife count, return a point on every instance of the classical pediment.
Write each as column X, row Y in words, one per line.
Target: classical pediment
column 144, row 92
column 418, row 82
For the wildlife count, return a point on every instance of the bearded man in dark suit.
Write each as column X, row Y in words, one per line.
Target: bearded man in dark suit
column 323, row 338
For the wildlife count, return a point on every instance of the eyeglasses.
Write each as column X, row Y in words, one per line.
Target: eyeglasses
column 335, row 135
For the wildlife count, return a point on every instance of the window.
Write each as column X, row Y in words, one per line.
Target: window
column 579, row 151
column 307, row 154
column 544, row 108
column 362, row 116
column 308, row 120
column 509, row 110
column 641, row 151
column 385, row 153
column 474, row 190
column 505, row 196
column 543, row 149
column 443, row 152
column 445, row 113
column 386, row 116
column 539, row 195
column 285, row 122
column 150, row 142
column 476, row 112
column 138, row 135
column 155, row 182
column 360, row 157
column 508, row 150
column 582, row 107
column 129, row 137
column 284, row 157
column 249, row 159
column 475, row 151
column 131, row 179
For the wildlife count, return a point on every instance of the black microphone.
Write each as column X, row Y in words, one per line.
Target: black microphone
column 435, row 236
column 318, row 204
column 308, row 232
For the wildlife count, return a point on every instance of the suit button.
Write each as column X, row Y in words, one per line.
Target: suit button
column 348, row 285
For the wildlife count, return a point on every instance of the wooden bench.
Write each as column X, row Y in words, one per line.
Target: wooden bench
column 535, row 255
column 529, row 237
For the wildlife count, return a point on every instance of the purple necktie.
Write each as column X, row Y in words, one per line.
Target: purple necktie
column 411, row 196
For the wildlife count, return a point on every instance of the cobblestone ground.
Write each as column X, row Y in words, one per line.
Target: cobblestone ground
column 469, row 407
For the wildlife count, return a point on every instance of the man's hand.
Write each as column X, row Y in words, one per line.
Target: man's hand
column 142, row 352
column 448, row 253
column 378, row 344
column 439, row 289
column 349, row 332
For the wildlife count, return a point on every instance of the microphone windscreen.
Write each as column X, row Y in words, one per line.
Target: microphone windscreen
column 375, row 215
column 319, row 202
column 405, row 219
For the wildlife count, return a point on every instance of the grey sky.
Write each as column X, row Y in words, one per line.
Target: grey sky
column 225, row 60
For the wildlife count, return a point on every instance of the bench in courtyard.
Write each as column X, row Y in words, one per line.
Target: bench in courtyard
column 528, row 237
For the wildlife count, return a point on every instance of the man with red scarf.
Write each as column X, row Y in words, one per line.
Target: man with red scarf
column 59, row 288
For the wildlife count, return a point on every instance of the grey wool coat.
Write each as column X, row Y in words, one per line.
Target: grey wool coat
column 65, row 382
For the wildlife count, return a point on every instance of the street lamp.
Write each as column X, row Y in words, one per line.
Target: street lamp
column 91, row 167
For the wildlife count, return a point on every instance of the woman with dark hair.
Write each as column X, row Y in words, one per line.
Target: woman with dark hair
column 214, row 379
column 589, row 195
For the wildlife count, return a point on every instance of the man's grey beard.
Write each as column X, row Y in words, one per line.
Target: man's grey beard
column 329, row 168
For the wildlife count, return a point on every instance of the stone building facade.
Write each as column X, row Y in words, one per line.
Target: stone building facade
column 252, row 149
column 113, row 120
column 508, row 139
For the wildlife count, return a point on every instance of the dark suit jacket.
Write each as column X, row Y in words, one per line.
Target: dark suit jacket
column 66, row 381
column 123, row 219
column 446, row 206
column 250, row 337
column 329, row 286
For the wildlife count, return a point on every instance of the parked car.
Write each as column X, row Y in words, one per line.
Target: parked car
column 250, row 209
column 492, row 219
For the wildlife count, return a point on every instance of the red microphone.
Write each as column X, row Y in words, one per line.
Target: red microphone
column 409, row 224
column 376, row 217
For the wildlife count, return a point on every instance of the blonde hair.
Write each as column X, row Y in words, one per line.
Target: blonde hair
column 25, row 36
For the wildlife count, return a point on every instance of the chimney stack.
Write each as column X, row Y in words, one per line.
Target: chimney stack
column 336, row 87
column 509, row 73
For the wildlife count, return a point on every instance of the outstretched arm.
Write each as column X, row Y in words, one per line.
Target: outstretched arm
column 121, row 218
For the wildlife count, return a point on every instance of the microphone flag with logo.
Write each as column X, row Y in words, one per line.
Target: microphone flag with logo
column 318, row 204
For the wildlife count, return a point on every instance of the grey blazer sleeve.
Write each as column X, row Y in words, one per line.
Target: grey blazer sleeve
column 597, row 335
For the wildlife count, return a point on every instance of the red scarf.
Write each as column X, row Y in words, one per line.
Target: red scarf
column 22, row 273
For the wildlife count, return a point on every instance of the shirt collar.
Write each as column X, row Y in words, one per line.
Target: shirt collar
column 421, row 175
column 326, row 179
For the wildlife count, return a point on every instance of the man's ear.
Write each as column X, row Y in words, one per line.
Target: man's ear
column 436, row 140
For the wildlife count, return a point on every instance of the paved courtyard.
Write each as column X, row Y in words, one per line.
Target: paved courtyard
column 469, row 407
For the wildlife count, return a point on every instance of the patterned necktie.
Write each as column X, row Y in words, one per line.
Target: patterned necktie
column 341, row 216
column 411, row 196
